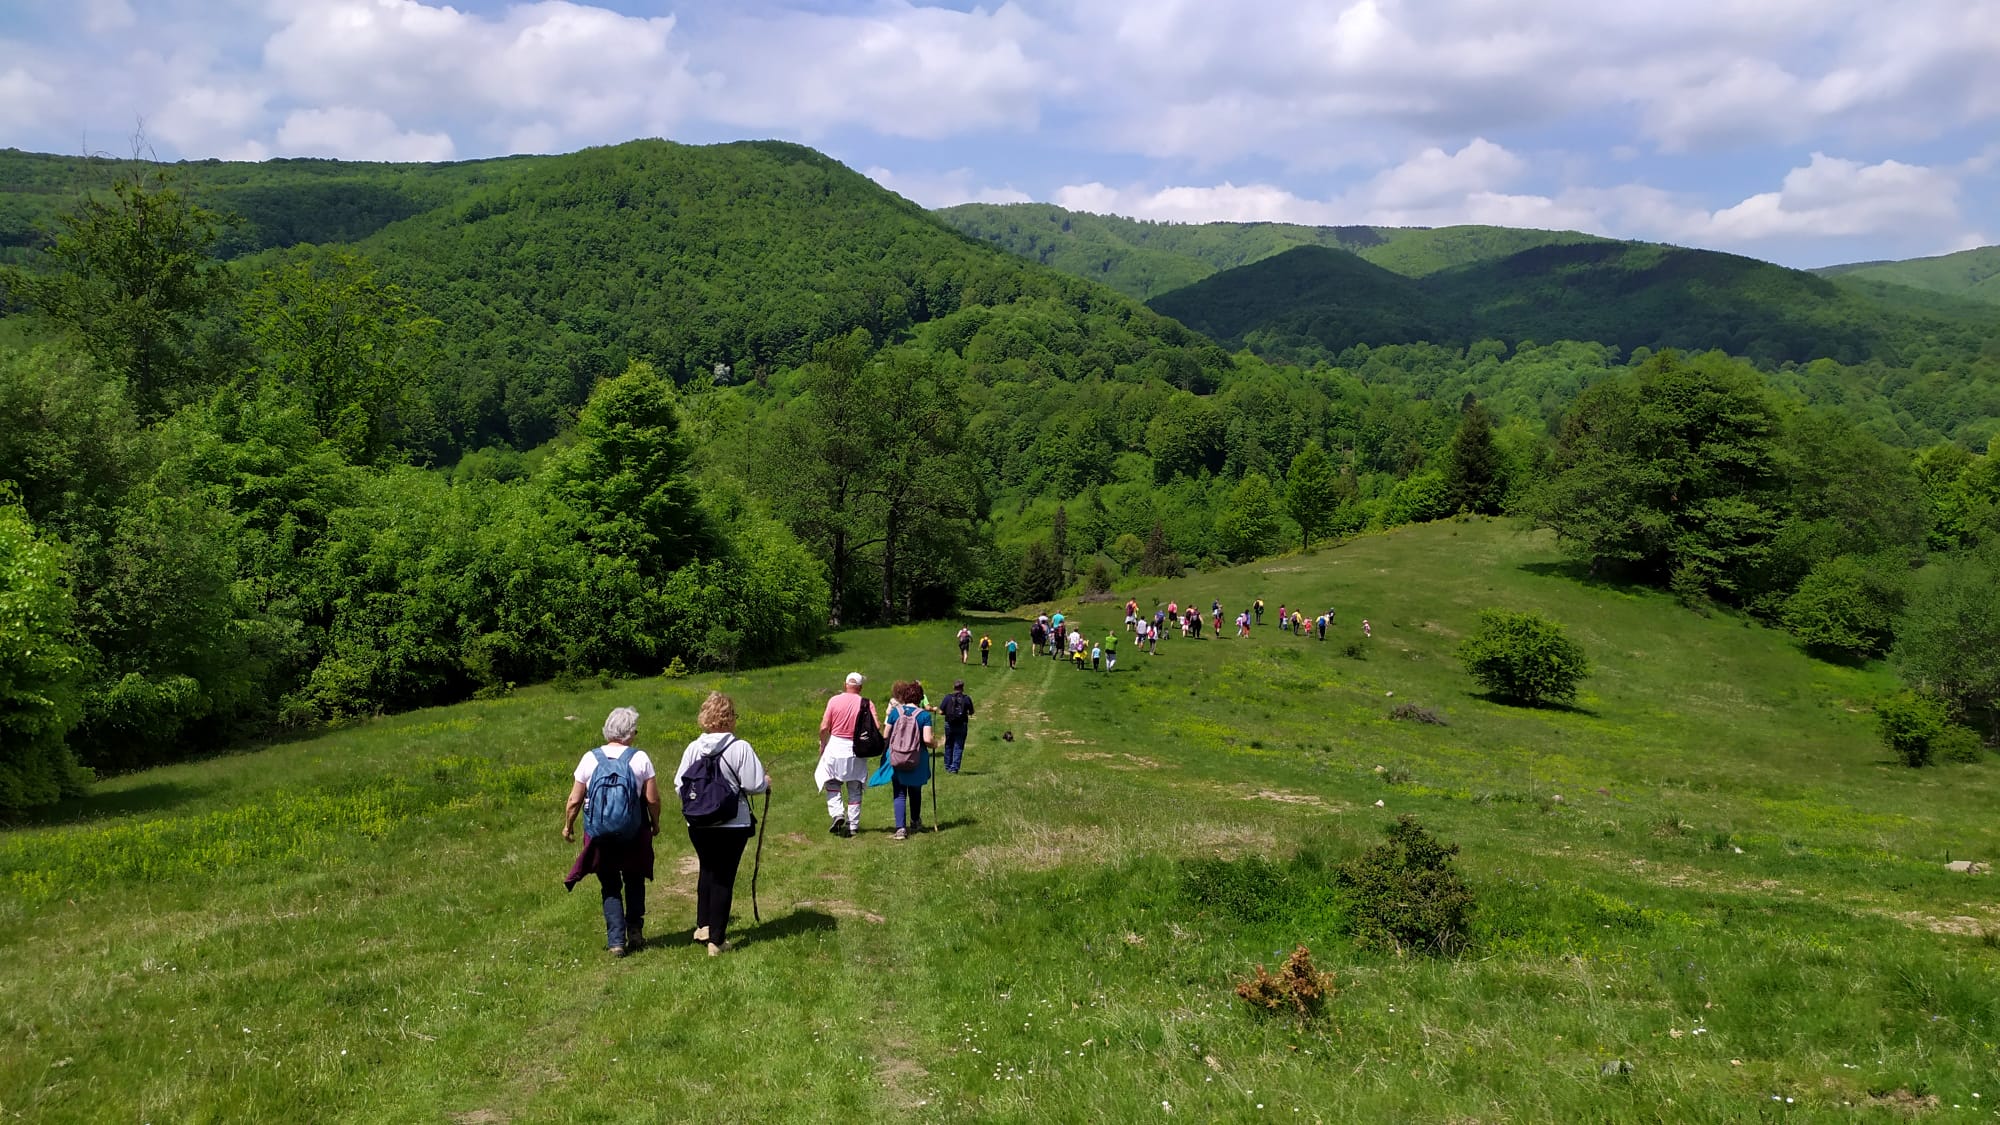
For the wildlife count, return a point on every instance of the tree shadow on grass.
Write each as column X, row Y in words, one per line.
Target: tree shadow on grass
column 795, row 924
column 99, row 804
column 1513, row 705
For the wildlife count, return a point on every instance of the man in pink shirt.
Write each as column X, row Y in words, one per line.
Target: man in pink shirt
column 842, row 776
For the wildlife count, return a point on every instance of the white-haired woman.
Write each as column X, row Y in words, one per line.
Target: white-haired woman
column 840, row 775
column 624, row 861
column 719, row 845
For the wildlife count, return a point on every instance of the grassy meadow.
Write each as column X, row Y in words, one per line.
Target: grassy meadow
column 1707, row 871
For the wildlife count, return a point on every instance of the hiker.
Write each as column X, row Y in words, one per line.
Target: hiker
column 957, row 710
column 985, row 648
column 618, row 829
column 1131, row 614
column 1366, row 629
column 1036, row 635
column 1216, row 613
column 841, row 774
column 718, row 756
column 1259, row 607
column 1110, row 651
column 964, row 643
column 1284, row 619
column 1013, row 650
column 907, row 766
column 1320, row 624
column 1057, row 620
column 1096, row 656
column 1243, row 624
column 1173, row 609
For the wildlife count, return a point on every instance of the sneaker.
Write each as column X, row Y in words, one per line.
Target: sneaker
column 618, row 951
column 836, row 826
column 901, row 834
column 715, row 950
column 701, row 934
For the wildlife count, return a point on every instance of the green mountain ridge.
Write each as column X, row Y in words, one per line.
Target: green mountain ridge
column 1313, row 303
column 1970, row 274
column 1146, row 259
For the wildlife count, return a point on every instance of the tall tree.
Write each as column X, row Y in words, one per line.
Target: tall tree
column 133, row 281
column 1059, row 540
column 351, row 346
column 1040, row 577
column 1312, row 492
column 38, row 670
column 1475, row 472
column 820, row 452
column 1249, row 526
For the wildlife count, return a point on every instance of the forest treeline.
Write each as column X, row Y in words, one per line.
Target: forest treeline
column 657, row 407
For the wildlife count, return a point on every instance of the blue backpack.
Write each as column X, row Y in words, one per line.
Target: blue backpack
column 612, row 809
column 708, row 794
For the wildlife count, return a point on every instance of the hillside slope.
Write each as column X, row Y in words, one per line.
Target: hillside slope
column 1628, row 295
column 1971, row 274
column 1705, row 871
column 1146, row 259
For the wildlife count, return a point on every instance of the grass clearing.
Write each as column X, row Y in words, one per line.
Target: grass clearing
column 370, row 925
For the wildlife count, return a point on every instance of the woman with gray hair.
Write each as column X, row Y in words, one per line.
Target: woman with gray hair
column 617, row 784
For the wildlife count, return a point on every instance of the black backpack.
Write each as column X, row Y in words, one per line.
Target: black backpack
column 957, row 707
column 708, row 794
column 868, row 740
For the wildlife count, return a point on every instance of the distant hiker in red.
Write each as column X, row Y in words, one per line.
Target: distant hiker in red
column 964, row 644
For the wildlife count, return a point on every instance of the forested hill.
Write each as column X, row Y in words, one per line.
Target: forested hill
column 1971, row 274
column 1146, row 259
column 1312, row 303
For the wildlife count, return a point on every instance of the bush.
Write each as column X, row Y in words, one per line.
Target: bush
column 1406, row 896
column 1524, row 658
column 1959, row 744
column 1910, row 724
column 1413, row 713
column 1298, row 986
column 1845, row 609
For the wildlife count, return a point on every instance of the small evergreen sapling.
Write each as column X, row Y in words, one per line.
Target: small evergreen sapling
column 1406, row 895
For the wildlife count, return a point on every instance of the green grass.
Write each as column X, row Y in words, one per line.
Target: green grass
column 370, row 926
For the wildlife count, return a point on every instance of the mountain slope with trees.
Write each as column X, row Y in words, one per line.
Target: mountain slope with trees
column 1971, row 274
column 1145, row 259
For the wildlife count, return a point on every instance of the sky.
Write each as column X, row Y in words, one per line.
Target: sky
column 1806, row 132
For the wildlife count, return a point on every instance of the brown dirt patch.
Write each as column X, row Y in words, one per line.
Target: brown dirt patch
column 1904, row 1102
column 900, row 1077
column 1113, row 761
column 480, row 1117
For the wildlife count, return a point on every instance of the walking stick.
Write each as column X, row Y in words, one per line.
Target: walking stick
column 758, row 864
column 937, row 818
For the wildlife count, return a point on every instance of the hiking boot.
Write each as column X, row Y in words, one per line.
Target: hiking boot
column 701, row 934
column 635, row 938
column 618, row 951
column 835, row 827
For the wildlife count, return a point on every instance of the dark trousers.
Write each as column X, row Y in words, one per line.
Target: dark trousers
column 911, row 796
column 954, row 745
column 624, row 904
column 720, row 851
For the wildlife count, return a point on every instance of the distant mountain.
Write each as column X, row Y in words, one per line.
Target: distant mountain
column 1312, row 303
column 1146, row 259
column 1971, row 274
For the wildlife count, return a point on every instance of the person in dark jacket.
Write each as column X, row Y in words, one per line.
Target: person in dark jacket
column 957, row 711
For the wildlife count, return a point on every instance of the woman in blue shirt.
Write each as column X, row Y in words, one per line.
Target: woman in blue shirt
column 908, row 781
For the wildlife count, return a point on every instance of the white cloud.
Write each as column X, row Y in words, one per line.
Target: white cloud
column 358, row 134
column 103, row 16
column 944, row 189
column 23, row 98
column 1831, row 198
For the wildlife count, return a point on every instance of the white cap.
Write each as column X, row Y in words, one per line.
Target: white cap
column 856, row 679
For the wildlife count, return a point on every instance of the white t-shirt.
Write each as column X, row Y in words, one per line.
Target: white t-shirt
column 642, row 766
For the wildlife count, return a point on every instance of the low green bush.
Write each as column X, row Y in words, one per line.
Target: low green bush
column 1959, row 744
column 1524, row 658
column 1910, row 724
column 1405, row 894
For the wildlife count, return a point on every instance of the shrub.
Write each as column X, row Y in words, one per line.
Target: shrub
column 1405, row 894
column 1298, row 986
column 1910, row 723
column 1524, row 658
column 1099, row 579
column 1959, row 744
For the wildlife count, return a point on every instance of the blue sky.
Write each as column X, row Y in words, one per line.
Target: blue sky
column 1802, row 131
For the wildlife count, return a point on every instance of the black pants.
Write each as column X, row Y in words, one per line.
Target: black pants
column 720, row 851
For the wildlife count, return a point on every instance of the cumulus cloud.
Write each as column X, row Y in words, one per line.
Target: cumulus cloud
column 358, row 134
column 944, row 189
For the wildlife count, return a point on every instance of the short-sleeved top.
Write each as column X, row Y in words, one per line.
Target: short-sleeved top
column 1058, row 620
column 642, row 766
column 1111, row 642
column 841, row 711
column 1011, row 646
column 965, row 636
column 986, row 642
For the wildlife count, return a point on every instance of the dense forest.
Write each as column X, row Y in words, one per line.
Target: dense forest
column 655, row 407
column 1972, row 274
column 1145, row 259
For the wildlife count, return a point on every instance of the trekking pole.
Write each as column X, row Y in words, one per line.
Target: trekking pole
column 757, row 864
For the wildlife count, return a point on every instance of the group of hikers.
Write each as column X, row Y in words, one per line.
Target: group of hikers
column 616, row 789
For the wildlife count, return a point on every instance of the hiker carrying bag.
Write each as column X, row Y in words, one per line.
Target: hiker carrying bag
column 956, row 708
column 868, row 740
column 906, row 740
column 709, row 795
column 612, row 808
